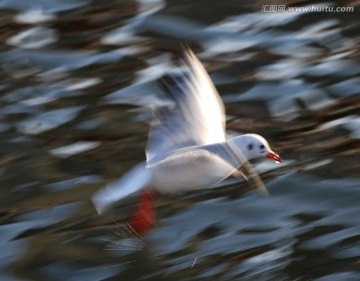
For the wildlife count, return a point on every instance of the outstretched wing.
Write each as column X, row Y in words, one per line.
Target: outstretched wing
column 135, row 180
column 196, row 117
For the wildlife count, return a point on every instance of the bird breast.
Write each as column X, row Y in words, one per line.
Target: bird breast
column 189, row 170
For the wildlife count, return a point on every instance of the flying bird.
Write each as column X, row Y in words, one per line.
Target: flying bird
column 187, row 147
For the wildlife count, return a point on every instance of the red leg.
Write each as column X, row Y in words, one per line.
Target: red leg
column 144, row 217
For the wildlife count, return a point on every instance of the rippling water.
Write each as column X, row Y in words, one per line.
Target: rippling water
column 75, row 78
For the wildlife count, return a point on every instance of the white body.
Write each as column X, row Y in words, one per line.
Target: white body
column 189, row 170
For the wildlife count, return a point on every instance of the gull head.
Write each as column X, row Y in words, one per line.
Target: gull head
column 254, row 146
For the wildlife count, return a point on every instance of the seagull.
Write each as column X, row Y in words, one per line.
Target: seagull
column 187, row 147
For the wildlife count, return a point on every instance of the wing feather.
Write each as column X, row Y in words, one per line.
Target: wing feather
column 196, row 116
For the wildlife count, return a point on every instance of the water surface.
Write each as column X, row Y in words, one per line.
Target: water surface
column 76, row 77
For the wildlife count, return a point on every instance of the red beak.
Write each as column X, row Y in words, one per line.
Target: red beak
column 273, row 155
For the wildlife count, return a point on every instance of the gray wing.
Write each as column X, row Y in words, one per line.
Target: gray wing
column 196, row 117
column 235, row 158
column 135, row 180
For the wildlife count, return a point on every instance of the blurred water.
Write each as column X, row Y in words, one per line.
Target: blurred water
column 76, row 78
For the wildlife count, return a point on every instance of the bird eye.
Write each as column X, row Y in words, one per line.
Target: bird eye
column 262, row 146
column 250, row 146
